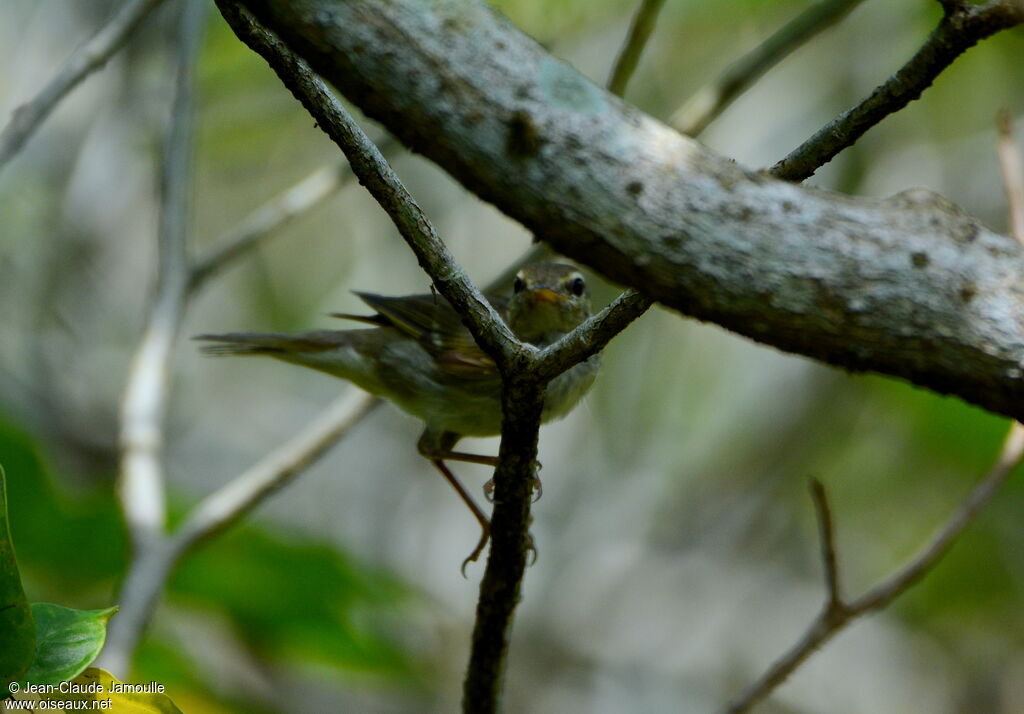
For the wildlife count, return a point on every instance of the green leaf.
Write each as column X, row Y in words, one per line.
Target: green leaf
column 17, row 629
column 67, row 641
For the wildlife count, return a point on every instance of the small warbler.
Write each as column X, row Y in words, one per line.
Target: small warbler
column 420, row 356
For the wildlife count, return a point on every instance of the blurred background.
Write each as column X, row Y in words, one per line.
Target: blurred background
column 678, row 546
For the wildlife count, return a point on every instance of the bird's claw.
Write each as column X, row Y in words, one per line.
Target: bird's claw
column 538, row 488
column 485, row 536
column 531, row 548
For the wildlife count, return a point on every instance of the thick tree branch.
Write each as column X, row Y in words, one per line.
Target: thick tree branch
column 713, row 98
column 963, row 25
column 86, row 60
column 910, row 286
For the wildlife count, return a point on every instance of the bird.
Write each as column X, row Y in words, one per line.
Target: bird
column 420, row 356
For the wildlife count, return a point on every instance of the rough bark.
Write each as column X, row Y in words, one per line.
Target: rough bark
column 910, row 286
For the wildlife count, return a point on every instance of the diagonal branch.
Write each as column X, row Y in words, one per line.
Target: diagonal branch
column 380, row 180
column 715, row 97
column 962, row 26
column 218, row 511
column 89, row 58
column 266, row 220
column 836, row 614
column 629, row 55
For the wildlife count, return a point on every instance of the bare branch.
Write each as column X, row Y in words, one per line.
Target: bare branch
column 708, row 102
column 1013, row 176
column 1009, row 457
column 837, row 614
column 828, row 543
column 89, row 58
column 223, row 508
column 141, row 483
column 591, row 337
column 141, row 487
column 266, row 220
column 963, row 26
column 629, row 56
column 220, row 510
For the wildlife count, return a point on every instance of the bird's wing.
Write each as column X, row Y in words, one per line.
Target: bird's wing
column 430, row 320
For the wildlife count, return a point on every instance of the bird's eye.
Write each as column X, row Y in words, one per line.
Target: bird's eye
column 518, row 285
column 577, row 286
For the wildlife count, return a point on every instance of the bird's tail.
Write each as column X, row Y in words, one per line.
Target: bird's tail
column 269, row 343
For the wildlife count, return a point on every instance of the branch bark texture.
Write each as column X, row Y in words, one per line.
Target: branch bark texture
column 910, row 286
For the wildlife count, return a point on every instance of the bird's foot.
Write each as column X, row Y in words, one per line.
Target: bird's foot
column 536, row 485
column 485, row 535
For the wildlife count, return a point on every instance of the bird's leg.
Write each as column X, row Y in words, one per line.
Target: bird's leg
column 485, row 525
column 538, row 488
column 437, row 447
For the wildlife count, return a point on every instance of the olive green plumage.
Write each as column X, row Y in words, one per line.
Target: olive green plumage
column 420, row 356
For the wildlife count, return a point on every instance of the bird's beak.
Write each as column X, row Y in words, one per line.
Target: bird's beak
column 546, row 295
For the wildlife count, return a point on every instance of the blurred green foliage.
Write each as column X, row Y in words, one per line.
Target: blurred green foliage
column 288, row 599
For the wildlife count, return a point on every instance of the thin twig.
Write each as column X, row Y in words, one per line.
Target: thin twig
column 1013, row 176
column 961, row 28
column 708, row 102
column 629, row 56
column 836, row 612
column 225, row 507
column 828, row 542
column 141, row 487
column 266, row 220
column 592, row 336
column 523, row 386
column 89, row 58
column 217, row 512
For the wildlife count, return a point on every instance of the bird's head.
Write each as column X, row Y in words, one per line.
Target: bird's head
column 548, row 301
